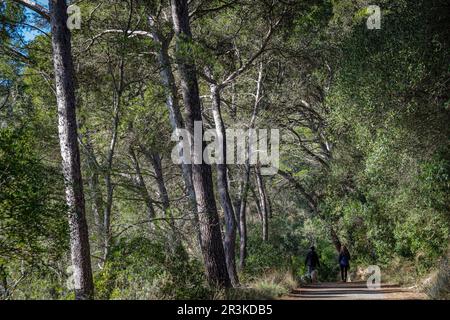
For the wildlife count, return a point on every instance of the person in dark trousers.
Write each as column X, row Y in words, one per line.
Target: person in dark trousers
column 312, row 262
column 344, row 262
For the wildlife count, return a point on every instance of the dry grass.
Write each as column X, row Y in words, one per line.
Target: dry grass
column 271, row 285
column 437, row 285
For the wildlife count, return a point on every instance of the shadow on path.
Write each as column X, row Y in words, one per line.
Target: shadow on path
column 352, row 291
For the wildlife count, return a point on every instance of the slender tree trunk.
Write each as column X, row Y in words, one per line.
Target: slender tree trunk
column 68, row 138
column 4, row 292
column 269, row 205
column 245, row 184
column 175, row 116
column 335, row 239
column 243, row 219
column 155, row 160
column 263, row 204
column 212, row 246
column 174, row 239
column 222, row 187
column 107, row 215
column 94, row 186
column 257, row 203
column 97, row 202
column 143, row 187
column 108, row 179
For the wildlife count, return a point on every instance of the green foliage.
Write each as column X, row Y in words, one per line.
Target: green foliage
column 139, row 268
column 32, row 211
column 33, row 223
column 390, row 198
column 366, row 114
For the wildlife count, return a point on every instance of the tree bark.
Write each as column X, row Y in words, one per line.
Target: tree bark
column 174, row 239
column 212, row 246
column 94, row 186
column 175, row 116
column 67, row 129
column 222, row 187
column 245, row 183
column 143, row 187
column 335, row 239
column 243, row 219
column 108, row 179
column 263, row 204
column 257, row 202
column 155, row 160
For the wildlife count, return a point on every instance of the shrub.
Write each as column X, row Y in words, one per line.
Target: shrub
column 140, row 268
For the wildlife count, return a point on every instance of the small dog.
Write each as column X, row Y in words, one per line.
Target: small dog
column 314, row 276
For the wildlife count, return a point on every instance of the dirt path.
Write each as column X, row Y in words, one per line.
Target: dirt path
column 352, row 291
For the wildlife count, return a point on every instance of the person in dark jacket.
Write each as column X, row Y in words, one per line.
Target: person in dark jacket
column 312, row 262
column 344, row 262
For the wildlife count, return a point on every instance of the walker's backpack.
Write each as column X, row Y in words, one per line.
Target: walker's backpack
column 344, row 260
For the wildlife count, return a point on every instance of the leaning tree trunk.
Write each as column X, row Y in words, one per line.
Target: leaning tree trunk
column 155, row 160
column 175, row 116
column 245, row 183
column 257, row 203
column 263, row 204
column 143, row 188
column 95, row 190
column 335, row 239
column 222, row 186
column 243, row 219
column 67, row 129
column 212, row 246
column 108, row 181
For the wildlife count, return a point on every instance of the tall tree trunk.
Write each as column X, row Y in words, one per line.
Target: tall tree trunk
column 107, row 215
column 108, row 179
column 269, row 205
column 4, row 292
column 94, row 186
column 246, row 180
column 143, row 187
column 335, row 239
column 244, row 186
column 257, row 202
column 174, row 239
column 222, row 186
column 67, row 129
column 155, row 160
column 175, row 116
column 212, row 246
column 263, row 204
column 97, row 202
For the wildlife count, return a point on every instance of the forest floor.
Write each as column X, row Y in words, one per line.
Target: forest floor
column 352, row 291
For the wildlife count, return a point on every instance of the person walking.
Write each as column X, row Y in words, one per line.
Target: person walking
column 344, row 262
column 312, row 262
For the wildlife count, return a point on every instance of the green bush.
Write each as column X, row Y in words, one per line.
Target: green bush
column 140, row 268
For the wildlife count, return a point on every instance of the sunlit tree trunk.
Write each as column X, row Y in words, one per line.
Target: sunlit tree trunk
column 223, row 188
column 263, row 204
column 175, row 116
column 212, row 246
column 244, row 187
column 67, row 129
